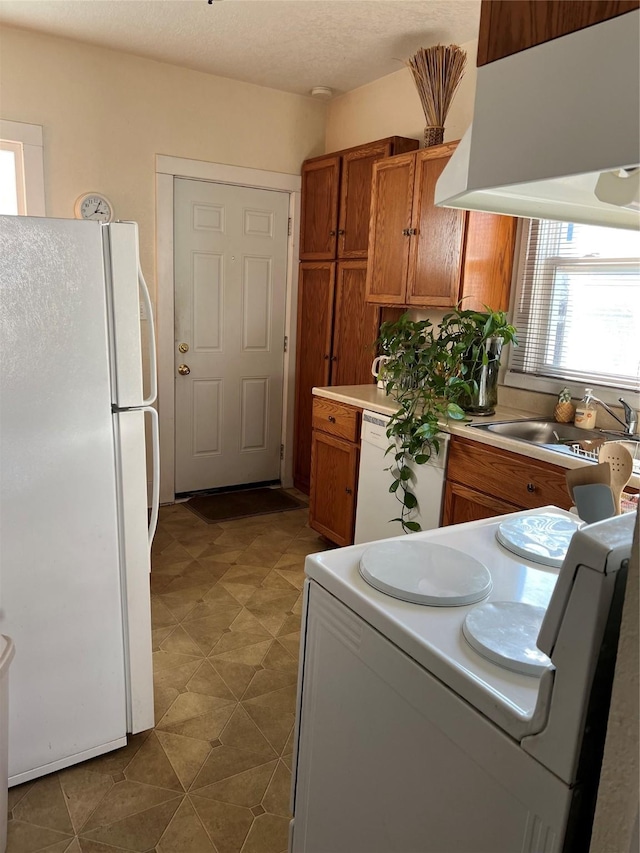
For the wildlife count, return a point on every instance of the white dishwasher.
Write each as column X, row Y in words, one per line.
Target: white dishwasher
column 376, row 504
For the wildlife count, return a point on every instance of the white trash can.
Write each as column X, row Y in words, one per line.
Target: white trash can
column 6, row 654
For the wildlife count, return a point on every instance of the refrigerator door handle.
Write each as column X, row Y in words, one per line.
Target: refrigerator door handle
column 155, row 488
column 153, row 366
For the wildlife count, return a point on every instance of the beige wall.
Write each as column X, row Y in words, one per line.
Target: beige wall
column 391, row 107
column 107, row 114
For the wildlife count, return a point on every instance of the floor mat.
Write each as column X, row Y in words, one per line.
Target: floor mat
column 228, row 506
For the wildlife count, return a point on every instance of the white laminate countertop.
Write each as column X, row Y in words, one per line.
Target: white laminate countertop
column 376, row 400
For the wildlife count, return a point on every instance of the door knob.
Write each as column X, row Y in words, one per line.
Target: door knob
column 184, row 369
column 183, row 348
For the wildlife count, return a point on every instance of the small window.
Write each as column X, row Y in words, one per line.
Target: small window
column 21, row 169
column 577, row 308
column 12, row 189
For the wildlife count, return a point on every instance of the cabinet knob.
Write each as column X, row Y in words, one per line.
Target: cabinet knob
column 326, row 358
column 332, row 233
column 349, row 491
column 341, row 231
column 332, row 420
column 531, row 487
column 334, row 358
column 412, row 231
column 405, row 232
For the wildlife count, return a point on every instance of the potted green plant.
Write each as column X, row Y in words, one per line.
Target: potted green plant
column 433, row 375
column 475, row 340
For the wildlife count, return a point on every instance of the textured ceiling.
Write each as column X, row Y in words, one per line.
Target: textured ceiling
column 290, row 45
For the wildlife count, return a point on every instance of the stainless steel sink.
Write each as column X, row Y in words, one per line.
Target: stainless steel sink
column 563, row 438
column 542, row 432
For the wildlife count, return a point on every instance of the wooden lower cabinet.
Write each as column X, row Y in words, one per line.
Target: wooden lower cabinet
column 335, row 456
column 356, row 325
column 316, row 287
column 336, row 333
column 483, row 481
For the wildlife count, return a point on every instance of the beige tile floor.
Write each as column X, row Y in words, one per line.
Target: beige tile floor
column 213, row 776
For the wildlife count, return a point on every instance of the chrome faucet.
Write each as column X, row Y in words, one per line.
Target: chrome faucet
column 630, row 422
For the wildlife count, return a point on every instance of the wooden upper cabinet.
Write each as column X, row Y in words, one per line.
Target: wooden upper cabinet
column 509, row 26
column 489, row 248
column 355, row 198
column 425, row 256
column 437, row 233
column 336, row 199
column 355, row 192
column 319, row 215
column 391, row 200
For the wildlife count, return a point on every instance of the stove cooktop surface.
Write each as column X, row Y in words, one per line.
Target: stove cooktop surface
column 433, row 636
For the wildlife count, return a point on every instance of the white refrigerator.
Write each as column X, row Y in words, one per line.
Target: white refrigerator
column 75, row 530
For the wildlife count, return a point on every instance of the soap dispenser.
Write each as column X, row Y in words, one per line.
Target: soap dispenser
column 586, row 411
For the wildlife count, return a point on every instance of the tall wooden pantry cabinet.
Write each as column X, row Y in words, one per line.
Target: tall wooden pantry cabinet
column 336, row 327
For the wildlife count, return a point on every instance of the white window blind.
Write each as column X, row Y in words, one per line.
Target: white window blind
column 577, row 306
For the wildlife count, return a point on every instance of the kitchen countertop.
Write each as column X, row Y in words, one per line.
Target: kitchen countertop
column 376, row 400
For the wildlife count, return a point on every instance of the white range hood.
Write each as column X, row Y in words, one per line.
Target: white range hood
column 552, row 128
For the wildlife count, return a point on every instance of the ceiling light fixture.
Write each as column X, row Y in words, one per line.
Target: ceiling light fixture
column 323, row 92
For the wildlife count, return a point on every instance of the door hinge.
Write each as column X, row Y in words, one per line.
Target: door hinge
column 289, row 227
column 282, row 451
column 286, row 343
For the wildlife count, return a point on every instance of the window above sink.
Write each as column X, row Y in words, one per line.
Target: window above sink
column 577, row 309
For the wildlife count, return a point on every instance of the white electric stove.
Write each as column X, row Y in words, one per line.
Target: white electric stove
column 411, row 739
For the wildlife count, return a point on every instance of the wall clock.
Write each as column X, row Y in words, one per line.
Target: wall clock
column 94, row 206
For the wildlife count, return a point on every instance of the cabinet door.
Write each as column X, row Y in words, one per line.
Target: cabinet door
column 315, row 314
column 488, row 261
column 334, row 471
column 463, row 504
column 391, row 198
column 319, row 214
column 509, row 26
column 355, row 198
column 355, row 327
column 435, row 264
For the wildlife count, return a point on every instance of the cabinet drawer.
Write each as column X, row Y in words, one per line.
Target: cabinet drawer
column 524, row 482
column 336, row 418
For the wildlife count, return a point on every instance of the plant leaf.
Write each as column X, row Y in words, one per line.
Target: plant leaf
column 410, row 500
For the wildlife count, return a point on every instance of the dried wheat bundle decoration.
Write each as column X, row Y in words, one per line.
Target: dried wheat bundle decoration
column 437, row 72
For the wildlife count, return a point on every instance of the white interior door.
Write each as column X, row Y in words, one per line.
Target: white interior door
column 230, row 280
